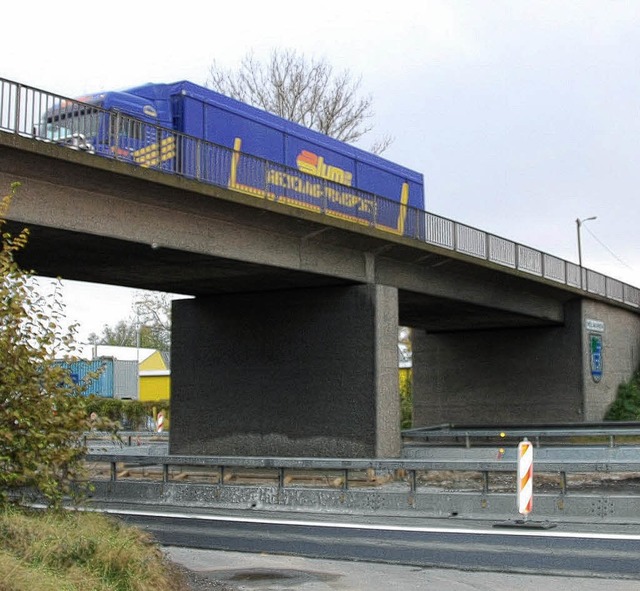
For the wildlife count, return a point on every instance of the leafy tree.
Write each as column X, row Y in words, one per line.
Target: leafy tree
column 304, row 91
column 41, row 409
column 121, row 334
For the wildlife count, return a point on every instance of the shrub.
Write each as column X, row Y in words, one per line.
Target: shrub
column 626, row 406
column 131, row 414
column 41, row 409
column 406, row 400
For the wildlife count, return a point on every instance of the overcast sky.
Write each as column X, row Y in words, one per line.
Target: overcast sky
column 522, row 115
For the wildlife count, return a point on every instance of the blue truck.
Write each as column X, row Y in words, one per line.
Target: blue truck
column 186, row 129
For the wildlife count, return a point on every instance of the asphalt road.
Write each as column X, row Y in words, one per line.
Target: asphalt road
column 558, row 552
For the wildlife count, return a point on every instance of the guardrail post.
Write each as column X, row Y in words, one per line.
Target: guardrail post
column 345, row 480
column 563, row 483
column 165, row 472
column 221, row 470
column 413, row 482
column 114, row 472
column 280, row 479
column 485, row 482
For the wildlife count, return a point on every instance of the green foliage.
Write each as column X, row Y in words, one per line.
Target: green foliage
column 129, row 413
column 41, row 409
column 406, row 400
column 50, row 551
column 626, row 406
column 149, row 328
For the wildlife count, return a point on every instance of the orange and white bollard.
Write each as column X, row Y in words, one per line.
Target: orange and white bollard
column 160, row 422
column 525, row 477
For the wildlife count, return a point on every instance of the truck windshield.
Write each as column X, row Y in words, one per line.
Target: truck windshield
column 60, row 124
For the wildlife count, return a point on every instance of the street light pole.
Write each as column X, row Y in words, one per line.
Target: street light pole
column 137, row 307
column 579, row 223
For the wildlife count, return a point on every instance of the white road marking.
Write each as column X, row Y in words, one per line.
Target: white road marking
column 376, row 527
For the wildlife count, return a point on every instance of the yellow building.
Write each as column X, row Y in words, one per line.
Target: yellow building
column 155, row 377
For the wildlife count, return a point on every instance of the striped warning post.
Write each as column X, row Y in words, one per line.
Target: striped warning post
column 525, row 477
column 160, row 422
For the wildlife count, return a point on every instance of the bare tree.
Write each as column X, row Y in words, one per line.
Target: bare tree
column 304, row 91
column 149, row 325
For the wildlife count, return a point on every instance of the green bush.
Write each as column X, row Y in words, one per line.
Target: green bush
column 41, row 409
column 406, row 400
column 130, row 414
column 626, row 406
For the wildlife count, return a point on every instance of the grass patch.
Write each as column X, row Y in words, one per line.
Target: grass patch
column 74, row 551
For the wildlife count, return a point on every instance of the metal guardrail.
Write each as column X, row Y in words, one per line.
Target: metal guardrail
column 125, row 138
column 536, row 433
column 128, row 438
column 405, row 470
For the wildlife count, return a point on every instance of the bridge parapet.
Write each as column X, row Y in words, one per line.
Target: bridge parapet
column 22, row 108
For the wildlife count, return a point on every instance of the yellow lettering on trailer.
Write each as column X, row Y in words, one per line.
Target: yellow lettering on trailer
column 153, row 154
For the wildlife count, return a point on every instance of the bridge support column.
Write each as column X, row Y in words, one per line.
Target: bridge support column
column 567, row 373
column 304, row 372
column 514, row 375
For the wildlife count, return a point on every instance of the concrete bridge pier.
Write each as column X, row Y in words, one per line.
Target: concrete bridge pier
column 547, row 374
column 302, row 372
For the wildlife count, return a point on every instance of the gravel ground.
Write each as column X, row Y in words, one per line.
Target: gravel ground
column 200, row 582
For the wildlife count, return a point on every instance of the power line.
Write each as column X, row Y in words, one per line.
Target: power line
column 613, row 254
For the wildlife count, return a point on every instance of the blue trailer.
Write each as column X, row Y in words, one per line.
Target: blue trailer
column 193, row 131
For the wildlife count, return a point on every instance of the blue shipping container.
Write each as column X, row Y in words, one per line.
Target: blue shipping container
column 103, row 385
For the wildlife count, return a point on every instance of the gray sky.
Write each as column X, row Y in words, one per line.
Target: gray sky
column 522, row 115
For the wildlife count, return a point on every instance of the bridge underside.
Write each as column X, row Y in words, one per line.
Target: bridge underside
column 99, row 259
column 289, row 346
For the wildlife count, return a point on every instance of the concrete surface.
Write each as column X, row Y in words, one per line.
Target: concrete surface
column 299, row 372
column 254, row 572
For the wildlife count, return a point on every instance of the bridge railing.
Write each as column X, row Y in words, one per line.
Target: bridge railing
column 28, row 112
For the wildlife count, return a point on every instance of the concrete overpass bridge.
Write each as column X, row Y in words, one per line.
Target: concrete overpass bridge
column 289, row 347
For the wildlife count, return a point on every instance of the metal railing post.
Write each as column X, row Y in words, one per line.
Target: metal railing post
column 413, row 481
column 485, row 482
column 18, row 107
column 198, row 158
